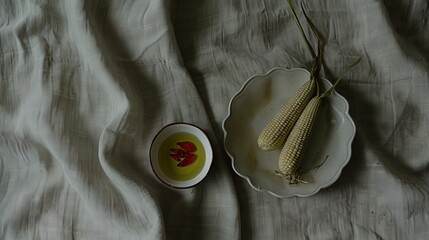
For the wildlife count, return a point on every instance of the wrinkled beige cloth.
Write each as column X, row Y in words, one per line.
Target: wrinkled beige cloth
column 86, row 85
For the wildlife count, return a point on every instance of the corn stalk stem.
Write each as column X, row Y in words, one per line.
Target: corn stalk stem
column 327, row 92
column 298, row 23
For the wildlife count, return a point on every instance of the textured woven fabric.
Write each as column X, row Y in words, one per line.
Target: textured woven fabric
column 86, row 85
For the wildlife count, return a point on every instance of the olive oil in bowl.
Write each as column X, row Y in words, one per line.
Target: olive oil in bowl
column 181, row 155
column 169, row 165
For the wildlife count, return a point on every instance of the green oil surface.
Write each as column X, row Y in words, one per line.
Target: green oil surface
column 169, row 166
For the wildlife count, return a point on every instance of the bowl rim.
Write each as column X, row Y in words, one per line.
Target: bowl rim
column 207, row 162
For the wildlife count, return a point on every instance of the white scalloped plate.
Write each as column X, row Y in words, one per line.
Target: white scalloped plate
column 255, row 104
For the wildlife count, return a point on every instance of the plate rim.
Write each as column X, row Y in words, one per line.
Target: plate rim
column 347, row 116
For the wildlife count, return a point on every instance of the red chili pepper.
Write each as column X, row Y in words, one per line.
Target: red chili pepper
column 188, row 160
column 178, row 152
column 187, row 146
column 175, row 157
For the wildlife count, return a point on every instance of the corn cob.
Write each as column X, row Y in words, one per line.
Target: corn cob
column 296, row 144
column 292, row 153
column 274, row 134
column 276, row 131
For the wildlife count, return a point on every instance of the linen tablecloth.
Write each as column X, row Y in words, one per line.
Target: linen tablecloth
column 86, row 85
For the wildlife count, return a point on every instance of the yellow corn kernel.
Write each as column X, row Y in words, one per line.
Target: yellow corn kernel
column 294, row 149
column 277, row 130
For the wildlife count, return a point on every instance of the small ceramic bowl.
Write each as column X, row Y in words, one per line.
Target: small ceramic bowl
column 181, row 155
